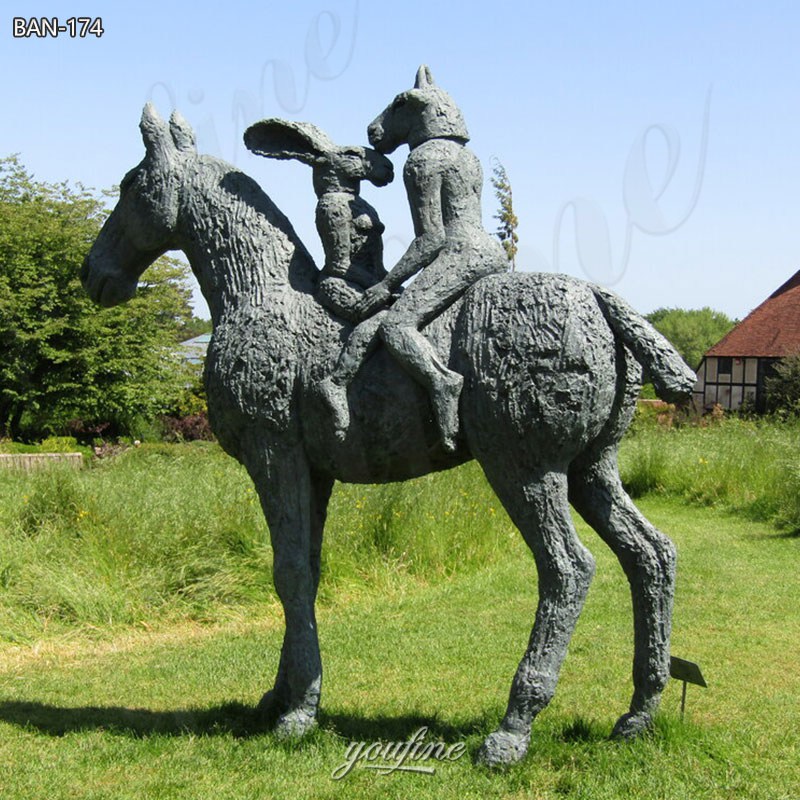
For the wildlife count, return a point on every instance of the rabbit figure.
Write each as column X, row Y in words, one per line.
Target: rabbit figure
column 348, row 225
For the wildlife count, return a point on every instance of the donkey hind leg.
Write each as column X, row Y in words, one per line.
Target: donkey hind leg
column 276, row 701
column 540, row 510
column 294, row 506
column 648, row 558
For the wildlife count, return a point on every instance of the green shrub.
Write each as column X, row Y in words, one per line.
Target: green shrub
column 53, row 444
column 59, row 444
column 783, row 388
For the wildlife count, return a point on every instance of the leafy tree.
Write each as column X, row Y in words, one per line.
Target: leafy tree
column 783, row 388
column 507, row 230
column 194, row 327
column 691, row 331
column 62, row 357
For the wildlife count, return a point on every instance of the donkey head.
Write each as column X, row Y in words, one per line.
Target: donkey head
column 413, row 117
column 142, row 225
column 335, row 168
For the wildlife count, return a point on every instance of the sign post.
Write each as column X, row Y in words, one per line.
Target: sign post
column 688, row 672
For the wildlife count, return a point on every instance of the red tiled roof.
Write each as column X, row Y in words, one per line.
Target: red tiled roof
column 770, row 331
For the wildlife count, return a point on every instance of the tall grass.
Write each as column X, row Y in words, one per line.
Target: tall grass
column 168, row 533
column 153, row 533
column 165, row 533
column 429, row 528
column 749, row 467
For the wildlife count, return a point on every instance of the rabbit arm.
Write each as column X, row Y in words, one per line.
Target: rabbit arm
column 334, row 222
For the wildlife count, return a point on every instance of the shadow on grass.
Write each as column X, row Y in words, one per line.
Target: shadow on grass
column 230, row 718
column 234, row 719
column 242, row 721
column 400, row 728
column 583, row 731
column 776, row 534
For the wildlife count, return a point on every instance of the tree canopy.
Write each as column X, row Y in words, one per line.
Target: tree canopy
column 783, row 388
column 691, row 331
column 63, row 358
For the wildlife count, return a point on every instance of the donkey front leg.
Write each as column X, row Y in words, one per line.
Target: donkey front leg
column 276, row 702
column 294, row 505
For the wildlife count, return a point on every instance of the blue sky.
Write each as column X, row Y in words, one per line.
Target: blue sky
column 674, row 128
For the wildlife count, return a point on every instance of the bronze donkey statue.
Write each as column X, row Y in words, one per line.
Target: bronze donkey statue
column 551, row 369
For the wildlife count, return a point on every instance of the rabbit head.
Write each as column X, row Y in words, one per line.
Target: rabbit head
column 335, row 168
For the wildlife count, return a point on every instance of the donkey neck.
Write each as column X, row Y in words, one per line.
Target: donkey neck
column 241, row 247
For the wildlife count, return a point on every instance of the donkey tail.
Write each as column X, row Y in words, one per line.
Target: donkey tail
column 671, row 377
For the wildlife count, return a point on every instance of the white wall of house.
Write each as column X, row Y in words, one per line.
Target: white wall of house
column 728, row 381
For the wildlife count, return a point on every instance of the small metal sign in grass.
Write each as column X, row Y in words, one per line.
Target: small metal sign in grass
column 688, row 672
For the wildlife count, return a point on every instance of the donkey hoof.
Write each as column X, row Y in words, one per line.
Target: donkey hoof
column 502, row 748
column 631, row 725
column 295, row 724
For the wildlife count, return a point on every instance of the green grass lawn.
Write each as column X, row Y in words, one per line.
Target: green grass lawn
column 131, row 713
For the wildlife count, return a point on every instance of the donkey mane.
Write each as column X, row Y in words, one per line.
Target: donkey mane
column 239, row 226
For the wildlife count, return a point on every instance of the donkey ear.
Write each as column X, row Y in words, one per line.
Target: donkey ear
column 424, row 78
column 155, row 135
column 182, row 133
column 279, row 138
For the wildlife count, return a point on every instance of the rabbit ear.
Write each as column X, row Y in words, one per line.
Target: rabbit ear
column 279, row 138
